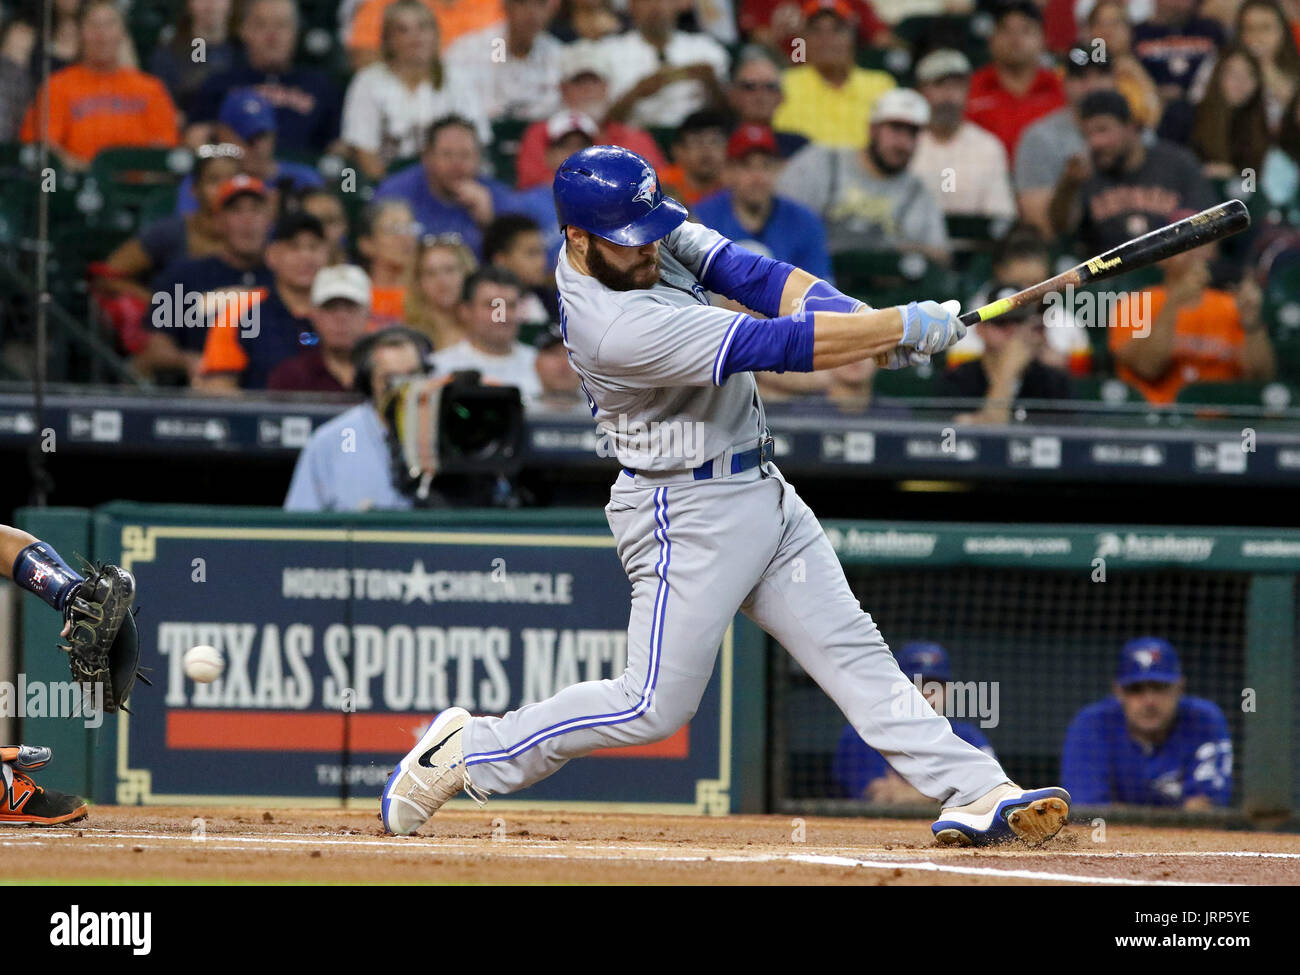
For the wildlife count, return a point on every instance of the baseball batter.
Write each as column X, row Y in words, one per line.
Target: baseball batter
column 704, row 521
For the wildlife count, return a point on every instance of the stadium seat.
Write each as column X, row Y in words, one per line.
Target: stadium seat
column 892, row 60
column 904, row 382
column 133, row 181
column 146, row 22
column 1104, row 389
column 663, row 137
column 882, row 278
column 964, row 33
column 1270, row 395
column 17, row 212
column 506, row 136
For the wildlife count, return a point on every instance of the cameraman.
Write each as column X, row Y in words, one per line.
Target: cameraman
column 347, row 464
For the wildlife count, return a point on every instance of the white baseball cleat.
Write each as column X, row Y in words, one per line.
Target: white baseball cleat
column 1005, row 813
column 431, row 773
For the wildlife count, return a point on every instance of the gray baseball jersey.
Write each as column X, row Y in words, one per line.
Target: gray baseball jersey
column 698, row 551
column 651, row 360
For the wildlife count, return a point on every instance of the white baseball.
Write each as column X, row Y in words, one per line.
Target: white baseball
column 203, row 664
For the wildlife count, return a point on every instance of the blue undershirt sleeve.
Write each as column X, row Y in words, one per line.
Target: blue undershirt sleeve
column 766, row 345
column 741, row 275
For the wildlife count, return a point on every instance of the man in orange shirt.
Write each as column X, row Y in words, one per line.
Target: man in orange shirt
column 99, row 104
column 1190, row 332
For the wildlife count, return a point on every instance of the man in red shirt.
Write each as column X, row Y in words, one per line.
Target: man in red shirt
column 1015, row 90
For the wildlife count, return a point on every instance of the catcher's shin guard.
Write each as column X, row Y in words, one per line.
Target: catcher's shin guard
column 103, row 645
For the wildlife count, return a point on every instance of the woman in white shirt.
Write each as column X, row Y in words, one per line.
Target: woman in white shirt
column 390, row 104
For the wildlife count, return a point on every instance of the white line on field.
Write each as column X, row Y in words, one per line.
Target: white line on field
column 463, row 848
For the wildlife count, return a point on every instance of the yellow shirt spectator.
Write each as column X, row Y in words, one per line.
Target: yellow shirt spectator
column 827, row 114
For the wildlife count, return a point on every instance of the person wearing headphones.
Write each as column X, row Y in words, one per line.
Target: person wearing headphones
column 346, row 464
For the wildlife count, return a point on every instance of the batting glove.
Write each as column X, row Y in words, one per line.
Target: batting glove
column 929, row 327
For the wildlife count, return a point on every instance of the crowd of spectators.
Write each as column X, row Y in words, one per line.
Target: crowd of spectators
column 838, row 135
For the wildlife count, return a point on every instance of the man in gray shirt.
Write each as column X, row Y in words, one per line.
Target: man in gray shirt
column 1047, row 145
column 867, row 198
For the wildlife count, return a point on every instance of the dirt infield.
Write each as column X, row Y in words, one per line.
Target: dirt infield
column 171, row 844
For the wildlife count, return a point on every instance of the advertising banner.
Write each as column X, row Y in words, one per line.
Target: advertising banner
column 341, row 644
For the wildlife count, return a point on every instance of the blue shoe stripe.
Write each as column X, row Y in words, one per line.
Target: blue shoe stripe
column 646, row 701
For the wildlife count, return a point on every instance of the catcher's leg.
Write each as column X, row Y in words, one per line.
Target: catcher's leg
column 23, row 802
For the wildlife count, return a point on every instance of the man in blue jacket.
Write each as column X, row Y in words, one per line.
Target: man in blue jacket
column 1150, row 744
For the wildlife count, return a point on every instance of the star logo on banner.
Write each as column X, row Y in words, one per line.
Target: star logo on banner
column 419, row 584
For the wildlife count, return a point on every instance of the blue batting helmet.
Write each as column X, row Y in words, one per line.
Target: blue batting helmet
column 614, row 193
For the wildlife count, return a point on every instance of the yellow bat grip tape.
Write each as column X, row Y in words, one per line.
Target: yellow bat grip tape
column 995, row 309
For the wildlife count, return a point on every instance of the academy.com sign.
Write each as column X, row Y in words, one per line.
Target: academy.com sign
column 1168, row 547
column 897, row 544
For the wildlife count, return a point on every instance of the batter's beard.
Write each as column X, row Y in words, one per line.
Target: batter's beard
column 614, row 279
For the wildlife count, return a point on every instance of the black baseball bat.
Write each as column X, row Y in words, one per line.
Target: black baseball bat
column 1199, row 229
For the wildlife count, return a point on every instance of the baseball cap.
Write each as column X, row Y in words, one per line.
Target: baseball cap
column 548, row 337
column 901, row 105
column 563, row 123
column 925, row 658
column 943, row 63
column 751, row 138
column 840, row 8
column 341, row 281
column 585, row 57
column 1079, row 61
column 1148, row 658
column 240, row 185
column 248, row 113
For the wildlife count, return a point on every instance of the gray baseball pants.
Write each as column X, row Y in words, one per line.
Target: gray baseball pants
column 696, row 552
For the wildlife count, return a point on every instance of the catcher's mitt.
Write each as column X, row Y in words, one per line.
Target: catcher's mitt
column 103, row 645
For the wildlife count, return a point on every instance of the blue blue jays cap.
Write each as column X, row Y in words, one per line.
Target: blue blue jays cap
column 924, row 658
column 614, row 193
column 248, row 113
column 1148, row 658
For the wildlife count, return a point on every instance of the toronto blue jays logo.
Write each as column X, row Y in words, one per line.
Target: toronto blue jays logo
column 1146, row 659
column 646, row 189
column 927, row 658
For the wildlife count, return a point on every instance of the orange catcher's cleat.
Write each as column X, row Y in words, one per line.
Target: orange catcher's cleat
column 23, row 802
